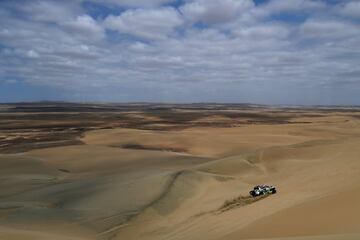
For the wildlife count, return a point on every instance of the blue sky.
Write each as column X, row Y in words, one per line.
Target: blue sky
column 261, row 51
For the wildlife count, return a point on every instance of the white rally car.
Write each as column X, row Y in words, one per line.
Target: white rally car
column 262, row 190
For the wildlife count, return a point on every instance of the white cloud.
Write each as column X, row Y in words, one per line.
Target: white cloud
column 294, row 5
column 135, row 3
column 281, row 6
column 32, row 54
column 84, row 26
column 146, row 23
column 214, row 11
column 238, row 56
column 352, row 9
column 328, row 29
column 263, row 31
column 42, row 10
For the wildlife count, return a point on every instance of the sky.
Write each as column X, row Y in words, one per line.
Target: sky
column 303, row 52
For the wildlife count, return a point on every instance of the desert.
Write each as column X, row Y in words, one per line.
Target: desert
column 179, row 120
column 178, row 171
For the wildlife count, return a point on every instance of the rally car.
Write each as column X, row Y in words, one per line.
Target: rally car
column 262, row 190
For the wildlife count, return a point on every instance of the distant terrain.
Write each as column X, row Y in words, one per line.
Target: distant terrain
column 178, row 171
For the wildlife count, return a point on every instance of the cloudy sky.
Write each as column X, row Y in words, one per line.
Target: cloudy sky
column 258, row 51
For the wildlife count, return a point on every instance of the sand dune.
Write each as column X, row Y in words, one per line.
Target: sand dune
column 172, row 184
column 335, row 214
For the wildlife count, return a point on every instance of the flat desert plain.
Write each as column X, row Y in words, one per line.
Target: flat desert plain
column 178, row 172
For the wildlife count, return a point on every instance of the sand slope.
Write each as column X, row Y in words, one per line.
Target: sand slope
column 139, row 184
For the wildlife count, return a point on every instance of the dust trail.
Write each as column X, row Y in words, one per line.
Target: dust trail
column 240, row 202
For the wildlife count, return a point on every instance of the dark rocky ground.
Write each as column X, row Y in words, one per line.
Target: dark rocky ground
column 26, row 126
